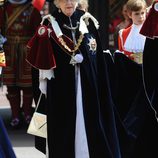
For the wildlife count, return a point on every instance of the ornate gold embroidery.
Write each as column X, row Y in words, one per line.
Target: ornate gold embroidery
column 138, row 57
column 2, row 59
column 63, row 43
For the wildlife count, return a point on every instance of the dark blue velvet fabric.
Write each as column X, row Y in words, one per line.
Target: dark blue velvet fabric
column 135, row 107
column 6, row 150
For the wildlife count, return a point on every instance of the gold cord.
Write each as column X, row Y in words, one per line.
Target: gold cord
column 79, row 41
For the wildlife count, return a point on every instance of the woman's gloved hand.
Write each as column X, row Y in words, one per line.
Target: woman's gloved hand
column 43, row 86
column 78, row 58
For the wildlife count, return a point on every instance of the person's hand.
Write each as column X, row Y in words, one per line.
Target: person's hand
column 43, row 86
column 78, row 58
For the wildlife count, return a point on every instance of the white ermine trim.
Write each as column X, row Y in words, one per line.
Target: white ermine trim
column 86, row 17
column 54, row 24
column 83, row 27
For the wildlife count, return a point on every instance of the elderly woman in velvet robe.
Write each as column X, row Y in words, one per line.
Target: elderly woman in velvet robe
column 66, row 49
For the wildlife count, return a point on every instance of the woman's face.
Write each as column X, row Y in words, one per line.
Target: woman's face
column 68, row 6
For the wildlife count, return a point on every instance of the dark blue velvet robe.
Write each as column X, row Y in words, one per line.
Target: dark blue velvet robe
column 103, row 127
column 97, row 104
column 6, row 150
column 135, row 108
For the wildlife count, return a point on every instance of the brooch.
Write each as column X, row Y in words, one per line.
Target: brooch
column 92, row 45
column 42, row 30
column 156, row 6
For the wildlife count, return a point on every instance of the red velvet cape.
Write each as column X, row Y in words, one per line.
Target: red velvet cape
column 150, row 26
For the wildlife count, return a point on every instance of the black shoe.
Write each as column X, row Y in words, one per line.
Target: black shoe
column 15, row 123
column 27, row 119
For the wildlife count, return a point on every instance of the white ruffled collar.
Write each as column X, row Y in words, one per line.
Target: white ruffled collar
column 135, row 41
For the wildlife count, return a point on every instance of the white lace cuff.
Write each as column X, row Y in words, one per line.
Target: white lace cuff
column 46, row 74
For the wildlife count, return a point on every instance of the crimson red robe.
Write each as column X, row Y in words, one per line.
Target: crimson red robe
column 18, row 71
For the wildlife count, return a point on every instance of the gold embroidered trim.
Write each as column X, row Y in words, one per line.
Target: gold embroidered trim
column 79, row 41
column 16, row 13
column 138, row 57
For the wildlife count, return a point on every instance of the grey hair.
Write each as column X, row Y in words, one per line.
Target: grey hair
column 56, row 2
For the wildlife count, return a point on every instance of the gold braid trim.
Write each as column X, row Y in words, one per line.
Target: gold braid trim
column 63, row 43
column 16, row 13
column 2, row 59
